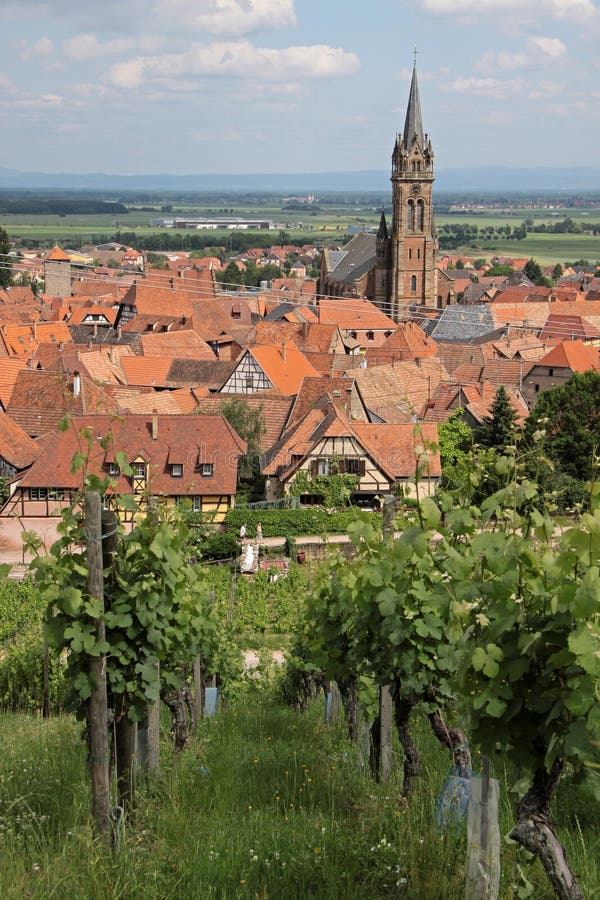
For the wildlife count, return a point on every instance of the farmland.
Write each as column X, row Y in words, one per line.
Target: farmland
column 330, row 221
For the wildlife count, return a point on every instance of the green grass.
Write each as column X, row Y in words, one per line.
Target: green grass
column 264, row 803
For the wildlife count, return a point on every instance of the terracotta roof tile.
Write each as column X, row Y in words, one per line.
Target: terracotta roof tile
column 148, row 370
column 194, row 439
column 16, row 447
column 574, row 355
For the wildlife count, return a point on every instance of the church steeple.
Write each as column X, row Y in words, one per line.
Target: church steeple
column 413, row 125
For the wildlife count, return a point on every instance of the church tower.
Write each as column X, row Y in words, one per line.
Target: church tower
column 410, row 277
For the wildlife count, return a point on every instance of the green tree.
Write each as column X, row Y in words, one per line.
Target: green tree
column 498, row 430
column 570, row 417
column 533, row 271
column 455, row 439
column 231, row 275
column 557, row 271
column 5, row 268
column 249, row 423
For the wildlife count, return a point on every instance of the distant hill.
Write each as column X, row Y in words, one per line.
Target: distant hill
column 476, row 180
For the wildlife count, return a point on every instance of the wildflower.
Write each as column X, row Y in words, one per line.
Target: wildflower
column 254, row 858
column 316, row 850
column 309, row 780
column 242, row 881
column 249, row 807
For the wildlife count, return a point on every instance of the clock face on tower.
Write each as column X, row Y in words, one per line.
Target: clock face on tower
column 415, row 190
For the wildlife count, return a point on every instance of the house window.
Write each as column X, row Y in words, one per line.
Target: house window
column 207, row 470
column 311, row 499
column 440, row 302
column 106, row 503
column 249, row 382
column 421, row 215
column 139, row 469
column 370, row 336
column 413, row 283
column 550, row 372
column 411, row 215
column 352, row 334
column 176, row 470
column 197, row 504
column 353, row 466
column 323, row 467
column 113, row 469
column 536, row 388
column 38, row 493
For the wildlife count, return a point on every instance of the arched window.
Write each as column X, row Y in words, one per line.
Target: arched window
column 411, row 215
column 440, row 302
column 410, row 253
column 421, row 215
column 413, row 284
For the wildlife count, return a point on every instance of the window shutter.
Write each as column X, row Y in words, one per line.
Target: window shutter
column 342, row 466
column 361, row 467
column 314, row 467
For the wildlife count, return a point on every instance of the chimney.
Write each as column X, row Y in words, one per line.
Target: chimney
column 112, row 356
column 119, row 333
column 284, row 351
column 154, row 425
column 95, row 331
column 60, row 346
column 76, row 384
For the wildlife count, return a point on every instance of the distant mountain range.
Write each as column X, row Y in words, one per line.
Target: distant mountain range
column 476, row 180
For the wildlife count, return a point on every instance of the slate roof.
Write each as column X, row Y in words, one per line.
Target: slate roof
column 359, row 258
column 463, row 323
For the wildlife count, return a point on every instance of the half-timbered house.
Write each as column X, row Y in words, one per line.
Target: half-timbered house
column 170, row 458
column 382, row 456
column 266, row 368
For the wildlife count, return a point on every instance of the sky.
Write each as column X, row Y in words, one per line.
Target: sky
column 265, row 86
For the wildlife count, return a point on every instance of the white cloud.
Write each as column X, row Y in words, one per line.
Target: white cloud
column 540, row 51
column 233, row 17
column 87, row 46
column 40, row 49
column 485, row 87
column 571, row 10
column 216, row 17
column 237, row 59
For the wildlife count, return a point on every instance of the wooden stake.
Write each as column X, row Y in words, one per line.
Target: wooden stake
column 385, row 733
column 97, row 707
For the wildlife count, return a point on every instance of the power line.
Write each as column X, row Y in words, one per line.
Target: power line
column 421, row 314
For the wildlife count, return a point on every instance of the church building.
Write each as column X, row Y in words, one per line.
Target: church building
column 398, row 267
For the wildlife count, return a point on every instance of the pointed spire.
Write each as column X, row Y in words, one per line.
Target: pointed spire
column 414, row 121
column 382, row 232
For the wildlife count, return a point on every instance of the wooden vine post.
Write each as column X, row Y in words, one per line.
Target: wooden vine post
column 98, row 706
column 386, row 703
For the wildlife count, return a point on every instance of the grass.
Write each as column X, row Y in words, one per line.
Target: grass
column 264, row 803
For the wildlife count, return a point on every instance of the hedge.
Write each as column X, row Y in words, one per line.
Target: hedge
column 291, row 522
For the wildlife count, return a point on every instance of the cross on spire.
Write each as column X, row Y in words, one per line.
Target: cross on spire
column 415, row 52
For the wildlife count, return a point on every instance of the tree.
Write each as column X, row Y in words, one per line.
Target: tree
column 249, row 423
column 533, row 271
column 231, row 275
column 498, row 429
column 557, row 271
column 570, row 417
column 5, row 266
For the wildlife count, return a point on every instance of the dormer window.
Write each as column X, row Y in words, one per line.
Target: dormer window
column 207, row 470
column 139, row 469
column 177, row 470
column 370, row 335
column 113, row 469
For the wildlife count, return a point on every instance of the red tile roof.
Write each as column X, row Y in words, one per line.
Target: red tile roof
column 573, row 355
column 190, row 440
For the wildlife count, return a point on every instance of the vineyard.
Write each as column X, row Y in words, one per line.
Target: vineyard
column 464, row 653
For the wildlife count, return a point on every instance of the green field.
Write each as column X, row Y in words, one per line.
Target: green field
column 328, row 224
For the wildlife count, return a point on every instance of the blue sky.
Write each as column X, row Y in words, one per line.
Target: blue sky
column 188, row 86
